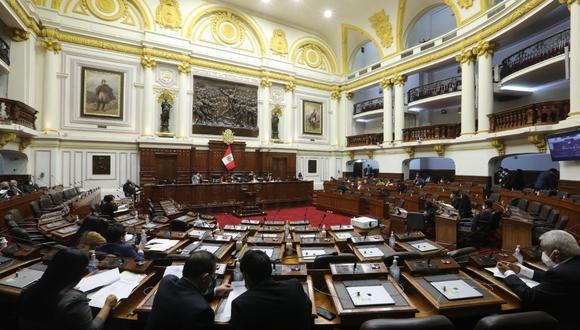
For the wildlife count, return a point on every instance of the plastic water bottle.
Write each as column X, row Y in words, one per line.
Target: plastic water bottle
column 286, row 230
column 518, row 255
column 136, row 215
column 146, row 219
column 395, row 270
column 323, row 231
column 143, row 237
column 140, row 255
column 238, row 273
column 289, row 247
column 93, row 262
column 392, row 240
column 239, row 245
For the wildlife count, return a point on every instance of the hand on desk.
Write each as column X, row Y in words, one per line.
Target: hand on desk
column 223, row 289
column 111, row 301
column 504, row 266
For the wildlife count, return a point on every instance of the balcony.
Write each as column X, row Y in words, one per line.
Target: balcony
column 433, row 132
column 16, row 112
column 364, row 140
column 368, row 106
column 429, row 95
column 544, row 113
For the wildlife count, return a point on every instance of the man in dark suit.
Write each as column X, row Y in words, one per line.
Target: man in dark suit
column 108, row 207
column 559, row 287
column 269, row 304
column 547, row 180
column 184, row 303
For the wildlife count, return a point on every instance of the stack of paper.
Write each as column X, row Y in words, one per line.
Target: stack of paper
column 495, row 271
column 160, row 244
column 121, row 288
column 371, row 252
column 176, row 270
column 224, row 313
column 312, row 254
column 98, row 280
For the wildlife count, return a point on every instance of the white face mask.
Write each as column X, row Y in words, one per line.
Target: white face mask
column 547, row 260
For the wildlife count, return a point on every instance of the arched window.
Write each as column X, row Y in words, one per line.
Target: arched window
column 430, row 24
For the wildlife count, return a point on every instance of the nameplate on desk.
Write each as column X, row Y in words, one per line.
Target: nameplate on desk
column 424, row 246
column 369, row 295
column 456, row 290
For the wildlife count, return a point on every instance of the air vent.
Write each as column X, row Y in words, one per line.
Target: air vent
column 376, row 66
column 427, row 46
column 361, row 72
column 407, row 54
column 352, row 76
column 449, row 36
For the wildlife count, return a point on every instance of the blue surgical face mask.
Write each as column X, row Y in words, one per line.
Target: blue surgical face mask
column 547, row 260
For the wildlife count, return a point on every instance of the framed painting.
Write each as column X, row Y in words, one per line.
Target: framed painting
column 102, row 93
column 101, row 165
column 311, row 117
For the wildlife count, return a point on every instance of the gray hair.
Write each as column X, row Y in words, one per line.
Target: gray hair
column 561, row 240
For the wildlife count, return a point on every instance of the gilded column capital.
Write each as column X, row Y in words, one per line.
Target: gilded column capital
column 399, row 80
column 19, row 34
column 466, row 56
column 439, row 149
column 499, row 145
column 265, row 83
column 335, row 95
column 539, row 140
column 184, row 68
column 24, row 143
column 386, row 83
column 50, row 40
column 148, row 62
column 6, row 137
column 349, row 95
column 485, row 48
column 410, row 151
column 290, row 87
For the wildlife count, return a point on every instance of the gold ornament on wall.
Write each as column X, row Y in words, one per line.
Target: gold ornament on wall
column 383, row 28
column 370, row 154
column 168, row 14
column 312, row 56
column 166, row 95
column 439, row 149
column 107, row 10
column 290, row 87
column 385, row 83
column 465, row 56
column 277, row 110
column 350, row 154
column 539, row 140
column 6, row 137
column 465, row 4
column 410, row 151
column 24, row 143
column 19, row 35
column 278, row 42
column 50, row 41
column 265, row 83
column 349, row 95
column 485, row 48
column 184, row 68
column 228, row 136
column 335, row 95
column 399, row 80
column 499, row 145
column 227, row 28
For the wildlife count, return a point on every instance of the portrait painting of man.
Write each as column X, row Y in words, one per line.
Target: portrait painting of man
column 312, row 117
column 102, row 93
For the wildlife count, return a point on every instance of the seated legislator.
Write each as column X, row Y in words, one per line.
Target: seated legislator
column 559, row 288
column 115, row 243
column 108, row 206
column 53, row 303
column 184, row 303
column 269, row 304
column 14, row 190
column 130, row 189
column 4, row 190
column 461, row 202
column 92, row 233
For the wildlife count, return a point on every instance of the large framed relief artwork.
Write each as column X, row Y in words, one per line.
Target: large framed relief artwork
column 102, row 93
column 312, row 117
column 101, row 165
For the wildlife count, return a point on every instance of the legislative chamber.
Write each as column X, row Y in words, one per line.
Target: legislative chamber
column 289, row 164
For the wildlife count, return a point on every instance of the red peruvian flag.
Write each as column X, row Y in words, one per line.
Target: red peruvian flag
column 228, row 159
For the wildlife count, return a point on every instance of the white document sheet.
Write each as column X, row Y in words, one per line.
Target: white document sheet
column 209, row 248
column 176, row 270
column 98, row 280
column 371, row 252
column 197, row 233
column 121, row 289
column 424, row 246
column 160, row 244
column 456, row 289
column 311, row 254
column 343, row 235
column 303, row 236
column 496, row 273
column 224, row 312
column 269, row 235
column 369, row 295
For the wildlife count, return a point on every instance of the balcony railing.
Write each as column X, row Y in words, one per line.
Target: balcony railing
column 536, row 53
column 433, row 132
column 368, row 105
column 4, row 52
column 436, row 88
column 550, row 112
column 364, row 140
column 16, row 112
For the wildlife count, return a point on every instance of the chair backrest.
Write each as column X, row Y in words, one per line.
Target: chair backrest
column 401, row 204
column 178, row 225
column 16, row 215
column 462, row 254
column 575, row 198
column 9, row 221
column 545, row 192
column 527, row 320
column 545, row 212
column 57, row 198
column 323, row 262
column 415, row 221
column 494, row 196
column 561, row 194
column 35, row 208
column 45, row 202
column 535, row 207
column 422, row 194
column 563, row 223
column 553, row 217
column 19, row 233
column 435, row 197
column 436, row 322
column 523, row 204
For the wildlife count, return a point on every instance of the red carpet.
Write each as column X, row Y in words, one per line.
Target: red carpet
column 290, row 214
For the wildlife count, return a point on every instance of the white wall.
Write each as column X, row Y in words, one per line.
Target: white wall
column 362, row 60
column 432, row 163
column 434, row 23
column 530, row 162
column 13, row 162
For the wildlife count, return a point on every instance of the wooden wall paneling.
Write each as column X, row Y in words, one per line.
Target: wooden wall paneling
column 473, row 179
column 183, row 166
column 435, row 174
column 569, row 186
column 391, row 176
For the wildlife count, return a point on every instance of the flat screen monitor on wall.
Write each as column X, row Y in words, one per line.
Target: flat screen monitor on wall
column 564, row 146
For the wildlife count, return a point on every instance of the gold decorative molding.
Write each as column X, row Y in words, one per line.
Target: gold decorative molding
column 350, row 154
column 290, row 87
column 383, row 28
column 465, row 4
column 410, row 151
column 349, row 95
column 265, row 83
column 499, row 145
column 465, row 56
column 107, row 10
column 19, row 35
column 277, row 110
column 184, row 68
column 166, row 95
column 399, row 80
column 539, row 140
column 148, row 62
column 485, row 48
column 24, row 143
column 370, row 154
column 6, row 137
column 278, row 42
column 228, row 28
column 335, row 95
column 168, row 14
column 439, row 149
column 50, row 40
column 228, row 136
column 386, row 83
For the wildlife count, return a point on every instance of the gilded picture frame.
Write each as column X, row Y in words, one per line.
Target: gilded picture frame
column 102, row 93
column 312, row 117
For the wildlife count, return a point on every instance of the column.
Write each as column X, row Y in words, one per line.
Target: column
column 484, row 52
column 288, row 114
column 148, row 129
column 21, row 86
column 266, row 127
column 466, row 58
column 183, row 118
column 399, row 83
column 574, row 6
column 386, row 85
column 346, row 111
column 335, row 122
column 51, row 87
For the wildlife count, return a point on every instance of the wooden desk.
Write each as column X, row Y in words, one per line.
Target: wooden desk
column 446, row 229
column 348, row 203
column 425, row 254
column 515, row 232
column 512, row 301
column 379, row 208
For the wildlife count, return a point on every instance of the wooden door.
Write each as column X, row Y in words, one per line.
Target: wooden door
column 279, row 168
column 166, row 167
